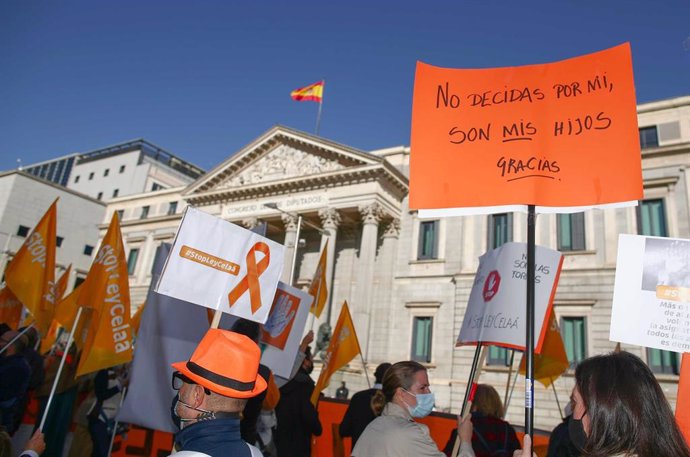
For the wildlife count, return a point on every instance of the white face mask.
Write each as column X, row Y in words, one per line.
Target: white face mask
column 205, row 414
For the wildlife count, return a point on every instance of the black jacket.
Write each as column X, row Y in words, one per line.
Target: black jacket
column 358, row 415
column 297, row 417
column 252, row 410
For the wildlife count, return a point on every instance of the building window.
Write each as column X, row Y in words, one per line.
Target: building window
column 156, row 187
column 571, row 232
column 573, row 330
column 59, row 240
column 144, row 212
column 99, row 196
column 663, row 362
column 22, row 231
column 116, row 192
column 122, row 168
column 649, row 137
column 90, row 176
column 132, row 261
column 106, row 172
column 76, row 179
column 421, row 338
column 172, row 208
column 428, row 240
column 651, row 218
column 500, row 229
column 498, row 356
column 88, row 249
column 120, row 213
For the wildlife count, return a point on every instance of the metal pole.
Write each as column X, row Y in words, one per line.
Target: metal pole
column 510, row 396
column 318, row 115
column 366, row 373
column 510, row 374
column 560, row 411
column 62, row 364
column 16, row 337
column 469, row 390
column 294, row 253
column 112, row 437
column 529, row 333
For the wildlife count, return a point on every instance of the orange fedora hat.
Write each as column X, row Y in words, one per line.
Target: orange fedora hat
column 227, row 363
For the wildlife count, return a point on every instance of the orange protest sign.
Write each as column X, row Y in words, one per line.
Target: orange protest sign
column 558, row 134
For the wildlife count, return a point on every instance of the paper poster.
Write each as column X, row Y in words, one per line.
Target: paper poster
column 558, row 134
column 651, row 297
column 222, row 266
column 496, row 309
column 282, row 332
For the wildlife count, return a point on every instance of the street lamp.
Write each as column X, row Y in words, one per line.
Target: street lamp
column 274, row 205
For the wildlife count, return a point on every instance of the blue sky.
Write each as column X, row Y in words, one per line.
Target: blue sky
column 204, row 78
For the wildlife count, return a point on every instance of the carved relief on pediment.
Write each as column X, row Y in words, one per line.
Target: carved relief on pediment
column 283, row 162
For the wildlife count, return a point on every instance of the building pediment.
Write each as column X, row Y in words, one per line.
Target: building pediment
column 284, row 159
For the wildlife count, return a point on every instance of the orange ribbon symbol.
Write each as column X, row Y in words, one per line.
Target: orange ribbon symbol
column 251, row 280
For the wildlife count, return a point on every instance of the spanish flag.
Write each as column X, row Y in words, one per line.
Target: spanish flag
column 553, row 360
column 31, row 272
column 343, row 347
column 311, row 93
column 106, row 291
column 319, row 287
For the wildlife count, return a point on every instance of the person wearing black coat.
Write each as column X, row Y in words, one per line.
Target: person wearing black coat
column 297, row 418
column 359, row 412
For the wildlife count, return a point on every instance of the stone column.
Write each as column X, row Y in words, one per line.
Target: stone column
column 330, row 220
column 382, row 307
column 361, row 306
column 291, row 243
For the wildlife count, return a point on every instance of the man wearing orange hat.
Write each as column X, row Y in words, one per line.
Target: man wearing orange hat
column 214, row 385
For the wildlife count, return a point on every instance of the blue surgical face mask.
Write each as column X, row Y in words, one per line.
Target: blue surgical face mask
column 425, row 404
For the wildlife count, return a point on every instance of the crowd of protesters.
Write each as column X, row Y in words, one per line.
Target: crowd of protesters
column 243, row 409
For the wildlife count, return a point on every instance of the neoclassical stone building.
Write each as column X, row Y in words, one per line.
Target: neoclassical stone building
column 407, row 280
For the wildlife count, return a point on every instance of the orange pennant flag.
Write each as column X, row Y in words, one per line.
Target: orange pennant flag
column 31, row 272
column 683, row 400
column 106, row 291
column 136, row 318
column 10, row 308
column 319, row 287
column 58, row 292
column 310, row 93
column 553, row 360
column 343, row 347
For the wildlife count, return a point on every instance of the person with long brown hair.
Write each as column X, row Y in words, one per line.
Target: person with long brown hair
column 405, row 395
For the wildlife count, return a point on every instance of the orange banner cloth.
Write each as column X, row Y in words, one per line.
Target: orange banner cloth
column 319, row 286
column 106, row 291
column 342, row 348
column 10, row 308
column 31, row 273
column 557, row 134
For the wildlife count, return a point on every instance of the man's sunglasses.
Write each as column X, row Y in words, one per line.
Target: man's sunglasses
column 178, row 380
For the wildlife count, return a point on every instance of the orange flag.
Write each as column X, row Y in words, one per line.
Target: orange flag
column 319, row 287
column 10, row 308
column 31, row 272
column 311, row 93
column 136, row 318
column 683, row 400
column 553, row 360
column 106, row 291
column 58, row 292
column 343, row 347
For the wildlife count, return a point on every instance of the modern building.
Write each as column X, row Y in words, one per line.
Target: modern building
column 24, row 199
column 407, row 280
column 127, row 168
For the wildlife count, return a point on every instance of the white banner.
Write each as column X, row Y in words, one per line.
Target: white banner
column 282, row 332
column 496, row 310
column 216, row 264
column 651, row 297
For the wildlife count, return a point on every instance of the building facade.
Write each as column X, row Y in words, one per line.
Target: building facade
column 24, row 199
column 407, row 280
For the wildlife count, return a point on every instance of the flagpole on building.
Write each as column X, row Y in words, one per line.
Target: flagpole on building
column 16, row 337
column 70, row 340
column 318, row 115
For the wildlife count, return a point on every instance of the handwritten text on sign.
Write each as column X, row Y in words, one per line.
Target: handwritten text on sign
column 560, row 134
